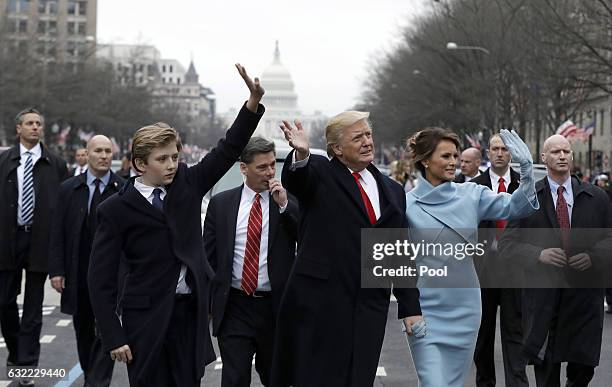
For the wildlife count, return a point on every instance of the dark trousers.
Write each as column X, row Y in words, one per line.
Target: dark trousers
column 247, row 329
column 22, row 337
column 548, row 374
column 176, row 366
column 96, row 363
column 509, row 302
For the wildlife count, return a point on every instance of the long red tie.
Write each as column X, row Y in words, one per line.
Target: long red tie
column 501, row 224
column 250, row 268
column 366, row 200
column 563, row 218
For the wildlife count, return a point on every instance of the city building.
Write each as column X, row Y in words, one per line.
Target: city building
column 59, row 32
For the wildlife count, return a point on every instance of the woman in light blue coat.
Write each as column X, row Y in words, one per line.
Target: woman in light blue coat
column 444, row 214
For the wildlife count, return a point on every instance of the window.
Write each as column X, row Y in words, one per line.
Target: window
column 171, row 68
column 47, row 7
column 42, row 27
column 82, row 29
column 82, row 8
column 601, row 124
column 72, row 5
column 40, row 48
column 53, row 7
column 170, row 80
column 178, row 81
column 71, row 26
column 163, row 68
column 23, row 26
column 18, row 6
column 52, row 27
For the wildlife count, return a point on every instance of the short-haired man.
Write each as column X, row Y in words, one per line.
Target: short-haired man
column 470, row 161
column 249, row 239
column 562, row 324
column 330, row 330
column 71, row 239
column 153, row 227
column 80, row 159
column 30, row 176
column 499, row 178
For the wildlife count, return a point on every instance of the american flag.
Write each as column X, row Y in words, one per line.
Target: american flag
column 473, row 140
column 567, row 129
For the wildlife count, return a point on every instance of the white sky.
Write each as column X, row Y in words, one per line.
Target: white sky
column 325, row 44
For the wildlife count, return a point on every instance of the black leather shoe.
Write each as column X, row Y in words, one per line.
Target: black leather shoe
column 26, row 382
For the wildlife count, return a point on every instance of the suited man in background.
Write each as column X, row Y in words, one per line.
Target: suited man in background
column 330, row 330
column 562, row 324
column 80, row 158
column 499, row 178
column 249, row 238
column 30, row 177
column 470, row 161
column 71, row 239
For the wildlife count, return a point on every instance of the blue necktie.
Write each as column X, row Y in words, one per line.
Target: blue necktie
column 157, row 200
column 27, row 192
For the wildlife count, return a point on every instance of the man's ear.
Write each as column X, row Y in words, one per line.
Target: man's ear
column 243, row 168
column 337, row 149
column 543, row 157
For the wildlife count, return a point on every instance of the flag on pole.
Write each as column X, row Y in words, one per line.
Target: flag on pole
column 473, row 140
column 567, row 129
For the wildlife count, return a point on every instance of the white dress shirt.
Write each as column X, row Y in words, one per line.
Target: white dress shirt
column 468, row 178
column 147, row 192
column 367, row 180
column 495, row 179
column 568, row 194
column 242, row 222
column 36, row 155
column 80, row 169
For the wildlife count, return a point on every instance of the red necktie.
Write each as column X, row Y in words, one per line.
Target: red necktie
column 366, row 200
column 563, row 218
column 501, row 224
column 250, row 268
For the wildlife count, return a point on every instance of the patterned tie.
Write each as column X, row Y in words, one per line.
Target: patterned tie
column 250, row 268
column 157, row 200
column 366, row 199
column 563, row 218
column 95, row 200
column 501, row 224
column 27, row 193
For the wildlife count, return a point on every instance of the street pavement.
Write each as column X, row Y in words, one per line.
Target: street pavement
column 395, row 367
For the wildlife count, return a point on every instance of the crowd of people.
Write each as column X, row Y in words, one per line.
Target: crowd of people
column 277, row 268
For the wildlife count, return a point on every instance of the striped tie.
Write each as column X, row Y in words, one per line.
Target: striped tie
column 250, row 268
column 27, row 193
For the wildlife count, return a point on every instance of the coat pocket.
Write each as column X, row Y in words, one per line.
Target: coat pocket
column 312, row 268
column 136, row 302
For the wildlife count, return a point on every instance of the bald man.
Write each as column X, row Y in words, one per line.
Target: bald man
column 80, row 158
column 470, row 161
column 562, row 324
column 71, row 240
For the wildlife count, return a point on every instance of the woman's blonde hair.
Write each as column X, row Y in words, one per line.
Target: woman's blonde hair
column 338, row 123
column 150, row 137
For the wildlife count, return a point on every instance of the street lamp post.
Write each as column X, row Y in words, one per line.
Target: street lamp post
column 455, row 46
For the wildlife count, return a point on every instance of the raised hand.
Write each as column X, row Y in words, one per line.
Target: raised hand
column 518, row 149
column 297, row 138
column 254, row 86
column 278, row 192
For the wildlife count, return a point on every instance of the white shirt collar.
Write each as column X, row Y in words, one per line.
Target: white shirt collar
column 495, row 177
column 147, row 190
column 36, row 150
column 554, row 185
column 249, row 194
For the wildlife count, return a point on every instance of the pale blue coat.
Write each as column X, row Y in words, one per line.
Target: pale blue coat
column 450, row 213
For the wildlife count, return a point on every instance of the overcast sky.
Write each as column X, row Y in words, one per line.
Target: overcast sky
column 325, row 44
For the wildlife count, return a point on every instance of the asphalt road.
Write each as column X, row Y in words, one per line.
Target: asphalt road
column 395, row 367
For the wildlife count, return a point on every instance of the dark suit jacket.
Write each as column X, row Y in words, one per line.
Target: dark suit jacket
column 219, row 240
column 493, row 272
column 49, row 171
column 69, row 223
column 579, row 312
column 153, row 245
column 330, row 330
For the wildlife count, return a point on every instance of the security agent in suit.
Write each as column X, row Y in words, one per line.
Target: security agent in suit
column 329, row 329
column 470, row 161
column 562, row 324
column 71, row 239
column 250, row 239
column 153, row 227
column 30, row 176
column 499, row 178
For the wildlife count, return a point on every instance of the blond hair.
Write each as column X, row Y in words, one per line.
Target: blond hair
column 150, row 137
column 338, row 123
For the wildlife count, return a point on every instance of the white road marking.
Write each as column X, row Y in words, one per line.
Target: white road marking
column 380, row 371
column 218, row 366
column 63, row 323
column 47, row 339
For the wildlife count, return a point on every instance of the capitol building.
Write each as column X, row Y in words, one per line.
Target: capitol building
column 281, row 102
